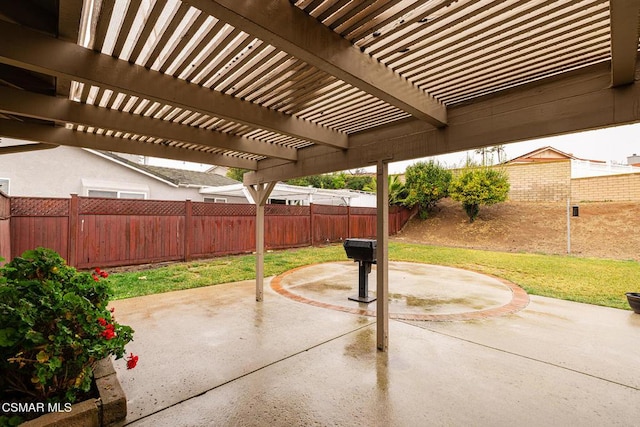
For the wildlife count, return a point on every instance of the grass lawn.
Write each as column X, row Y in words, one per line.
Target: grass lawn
column 588, row 280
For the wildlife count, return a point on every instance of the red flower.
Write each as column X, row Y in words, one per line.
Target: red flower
column 132, row 361
column 97, row 270
column 104, row 274
column 96, row 278
column 109, row 333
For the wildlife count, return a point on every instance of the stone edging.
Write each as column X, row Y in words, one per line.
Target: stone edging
column 519, row 300
column 108, row 409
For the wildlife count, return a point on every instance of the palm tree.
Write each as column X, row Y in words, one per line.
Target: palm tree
column 397, row 190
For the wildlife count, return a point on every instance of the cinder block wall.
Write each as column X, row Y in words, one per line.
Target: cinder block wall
column 611, row 188
column 540, row 182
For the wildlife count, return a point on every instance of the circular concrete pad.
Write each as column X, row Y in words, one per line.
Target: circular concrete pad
column 416, row 291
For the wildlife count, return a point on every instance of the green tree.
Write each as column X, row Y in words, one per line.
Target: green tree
column 426, row 183
column 358, row 181
column 476, row 186
column 236, row 173
column 335, row 181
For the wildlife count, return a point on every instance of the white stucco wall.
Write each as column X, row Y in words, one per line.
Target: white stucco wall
column 60, row 171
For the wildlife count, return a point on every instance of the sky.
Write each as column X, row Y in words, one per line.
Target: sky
column 610, row 144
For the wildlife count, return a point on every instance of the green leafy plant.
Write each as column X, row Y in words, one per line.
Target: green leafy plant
column 397, row 190
column 54, row 326
column 476, row 186
column 426, row 183
column 335, row 181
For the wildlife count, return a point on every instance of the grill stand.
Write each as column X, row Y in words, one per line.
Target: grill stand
column 364, row 268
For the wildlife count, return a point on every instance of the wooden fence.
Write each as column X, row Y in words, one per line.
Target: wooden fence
column 92, row 232
column 5, row 227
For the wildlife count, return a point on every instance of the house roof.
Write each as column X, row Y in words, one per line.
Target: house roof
column 296, row 192
column 192, row 178
column 302, row 87
column 542, row 154
column 545, row 154
column 178, row 177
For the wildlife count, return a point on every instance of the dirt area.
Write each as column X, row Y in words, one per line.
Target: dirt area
column 602, row 230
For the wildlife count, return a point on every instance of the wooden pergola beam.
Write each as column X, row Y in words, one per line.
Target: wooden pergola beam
column 24, row 148
column 574, row 102
column 285, row 26
column 31, row 50
column 61, row 136
column 61, row 110
column 624, row 40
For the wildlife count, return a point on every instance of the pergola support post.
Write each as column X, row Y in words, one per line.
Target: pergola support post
column 260, row 194
column 382, row 254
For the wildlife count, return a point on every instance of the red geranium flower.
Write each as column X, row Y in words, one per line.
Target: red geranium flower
column 102, row 321
column 132, row 361
column 108, row 334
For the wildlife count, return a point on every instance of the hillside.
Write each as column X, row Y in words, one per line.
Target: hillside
column 603, row 230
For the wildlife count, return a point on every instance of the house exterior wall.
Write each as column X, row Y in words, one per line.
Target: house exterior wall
column 60, row 171
column 615, row 188
column 539, row 182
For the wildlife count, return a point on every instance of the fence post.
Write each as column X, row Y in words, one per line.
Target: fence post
column 311, row 230
column 73, row 219
column 188, row 227
column 348, row 221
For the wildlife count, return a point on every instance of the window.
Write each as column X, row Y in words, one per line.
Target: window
column 215, row 199
column 4, row 185
column 114, row 189
column 116, row 194
column 131, row 195
column 108, row 194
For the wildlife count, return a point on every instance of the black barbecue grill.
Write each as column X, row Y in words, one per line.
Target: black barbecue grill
column 362, row 251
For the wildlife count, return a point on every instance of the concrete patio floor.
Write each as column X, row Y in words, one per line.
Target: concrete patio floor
column 215, row 357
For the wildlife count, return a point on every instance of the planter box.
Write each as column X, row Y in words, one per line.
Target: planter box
column 108, row 409
column 634, row 301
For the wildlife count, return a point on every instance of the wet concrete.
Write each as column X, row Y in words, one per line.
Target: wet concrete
column 214, row 356
column 413, row 288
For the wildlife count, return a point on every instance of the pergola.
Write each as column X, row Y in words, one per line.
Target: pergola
column 293, row 88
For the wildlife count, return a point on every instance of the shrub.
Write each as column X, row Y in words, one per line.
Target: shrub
column 477, row 186
column 54, row 327
column 426, row 184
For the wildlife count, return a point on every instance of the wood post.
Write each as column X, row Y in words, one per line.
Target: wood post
column 311, row 221
column 382, row 261
column 74, row 233
column 260, row 194
column 188, row 229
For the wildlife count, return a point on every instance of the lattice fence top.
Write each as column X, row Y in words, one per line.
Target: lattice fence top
column 330, row 210
column 223, row 209
column 31, row 206
column 363, row 211
column 99, row 206
column 285, row 210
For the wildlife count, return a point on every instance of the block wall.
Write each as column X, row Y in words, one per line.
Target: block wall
column 540, row 182
column 614, row 188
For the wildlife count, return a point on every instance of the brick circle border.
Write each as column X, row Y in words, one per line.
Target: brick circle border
column 519, row 300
